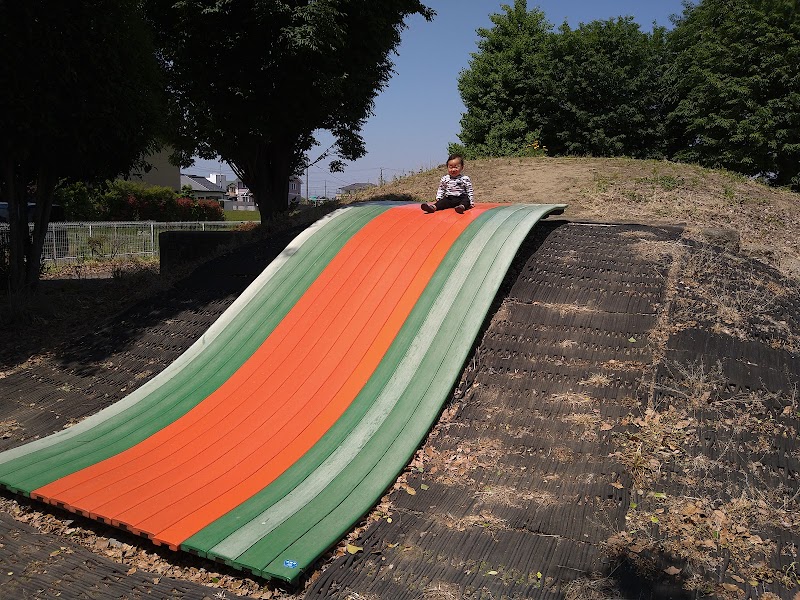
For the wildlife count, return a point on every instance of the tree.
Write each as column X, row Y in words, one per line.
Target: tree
column 255, row 95
column 734, row 87
column 505, row 90
column 591, row 90
column 79, row 101
column 605, row 90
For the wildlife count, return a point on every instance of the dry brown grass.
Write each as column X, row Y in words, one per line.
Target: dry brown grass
column 587, row 421
column 484, row 519
column 738, row 298
column 716, row 524
column 587, row 588
column 441, row 591
column 617, row 190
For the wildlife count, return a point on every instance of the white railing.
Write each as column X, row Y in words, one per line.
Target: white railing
column 73, row 242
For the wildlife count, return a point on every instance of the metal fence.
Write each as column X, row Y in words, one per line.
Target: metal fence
column 74, row 242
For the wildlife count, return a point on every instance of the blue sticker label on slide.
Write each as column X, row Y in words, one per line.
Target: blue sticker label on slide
column 290, row 564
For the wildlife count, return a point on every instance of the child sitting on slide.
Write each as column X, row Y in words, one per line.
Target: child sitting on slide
column 455, row 189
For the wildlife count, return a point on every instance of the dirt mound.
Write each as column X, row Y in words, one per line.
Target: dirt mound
column 765, row 220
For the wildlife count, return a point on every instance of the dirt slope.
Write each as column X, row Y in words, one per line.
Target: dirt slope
column 616, row 190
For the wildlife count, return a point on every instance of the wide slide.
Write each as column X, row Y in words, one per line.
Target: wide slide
column 287, row 420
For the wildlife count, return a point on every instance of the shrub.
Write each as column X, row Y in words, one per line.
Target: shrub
column 95, row 244
column 130, row 201
column 185, row 210
column 80, row 201
column 210, row 210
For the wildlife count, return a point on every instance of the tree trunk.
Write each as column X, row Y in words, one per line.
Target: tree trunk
column 25, row 252
column 788, row 168
column 14, row 192
column 278, row 174
column 267, row 177
column 45, row 189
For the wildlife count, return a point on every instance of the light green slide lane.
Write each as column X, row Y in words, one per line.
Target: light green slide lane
column 205, row 366
column 248, row 521
column 358, row 487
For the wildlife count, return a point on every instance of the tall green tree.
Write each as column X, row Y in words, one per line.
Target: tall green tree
column 505, row 89
column 252, row 81
column 79, row 101
column 605, row 90
column 734, row 87
column 590, row 90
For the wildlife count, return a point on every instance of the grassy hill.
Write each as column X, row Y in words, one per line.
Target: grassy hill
column 766, row 219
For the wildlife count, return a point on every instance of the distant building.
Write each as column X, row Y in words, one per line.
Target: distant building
column 202, row 188
column 160, row 171
column 219, row 179
column 295, row 190
column 356, row 187
column 239, row 197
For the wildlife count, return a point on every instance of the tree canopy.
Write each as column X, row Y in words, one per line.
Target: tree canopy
column 255, row 91
column 505, row 88
column 734, row 87
column 605, row 96
column 722, row 88
column 590, row 90
column 80, row 100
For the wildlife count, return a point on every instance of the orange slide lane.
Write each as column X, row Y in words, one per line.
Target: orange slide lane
column 282, row 400
column 186, row 525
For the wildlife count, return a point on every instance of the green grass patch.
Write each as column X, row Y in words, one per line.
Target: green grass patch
column 242, row 215
column 603, row 182
column 665, row 182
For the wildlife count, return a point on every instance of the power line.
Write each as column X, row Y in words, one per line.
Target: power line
column 332, row 175
column 376, row 169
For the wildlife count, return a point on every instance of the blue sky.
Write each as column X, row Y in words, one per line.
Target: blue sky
column 417, row 115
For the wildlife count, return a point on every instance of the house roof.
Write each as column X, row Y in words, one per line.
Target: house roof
column 241, row 185
column 354, row 187
column 200, row 183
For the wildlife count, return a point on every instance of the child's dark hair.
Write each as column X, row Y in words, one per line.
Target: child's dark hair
column 454, row 157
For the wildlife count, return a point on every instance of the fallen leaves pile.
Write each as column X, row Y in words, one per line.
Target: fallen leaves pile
column 137, row 558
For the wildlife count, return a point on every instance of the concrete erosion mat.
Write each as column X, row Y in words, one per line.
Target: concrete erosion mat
column 625, row 425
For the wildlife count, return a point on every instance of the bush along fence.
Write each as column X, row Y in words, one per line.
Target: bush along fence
column 77, row 242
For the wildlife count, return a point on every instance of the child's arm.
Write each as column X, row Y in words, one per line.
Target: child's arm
column 470, row 193
column 442, row 188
